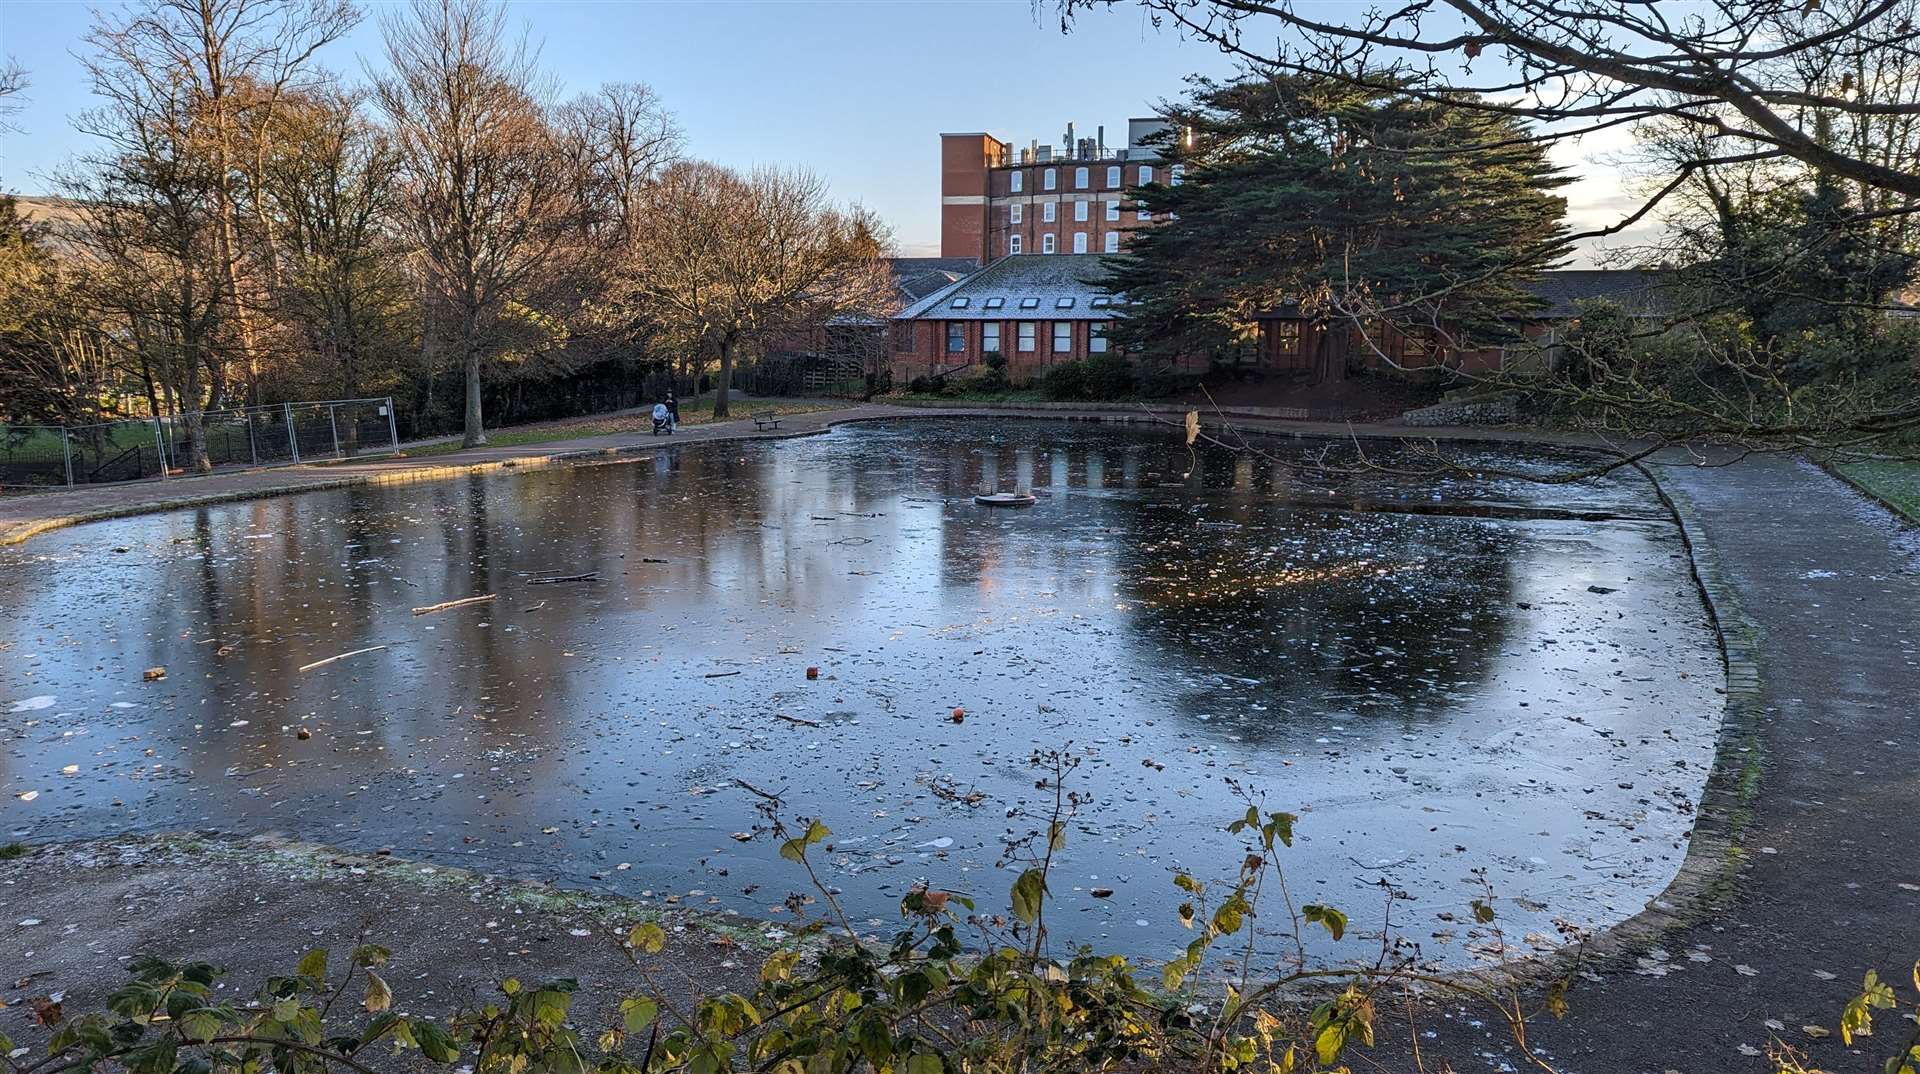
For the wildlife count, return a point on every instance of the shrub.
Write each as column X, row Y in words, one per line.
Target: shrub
column 1110, row 376
column 1065, row 381
column 920, row 385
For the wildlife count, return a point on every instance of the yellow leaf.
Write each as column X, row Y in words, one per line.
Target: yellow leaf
column 379, row 996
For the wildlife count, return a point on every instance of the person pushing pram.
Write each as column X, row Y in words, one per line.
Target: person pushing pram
column 666, row 415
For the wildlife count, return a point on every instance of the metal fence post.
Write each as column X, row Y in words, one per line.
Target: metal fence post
column 160, row 445
column 66, row 453
column 293, row 441
column 393, row 427
column 253, row 446
column 334, row 421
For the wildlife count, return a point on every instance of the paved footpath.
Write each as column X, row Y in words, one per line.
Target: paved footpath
column 1806, row 866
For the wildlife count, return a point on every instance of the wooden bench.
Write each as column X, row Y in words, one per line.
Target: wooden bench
column 765, row 419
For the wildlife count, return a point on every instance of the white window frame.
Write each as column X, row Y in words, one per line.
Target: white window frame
column 1048, row 179
column 1014, row 212
column 1113, row 209
column 1049, row 210
column 1080, row 212
column 1142, row 215
column 1028, row 334
column 989, row 337
column 1079, row 242
column 1046, row 243
column 1096, row 337
column 1112, row 242
column 1146, row 174
column 1175, row 173
column 1013, row 244
column 1079, row 178
column 1016, row 180
column 959, row 328
column 1113, row 176
column 1057, row 334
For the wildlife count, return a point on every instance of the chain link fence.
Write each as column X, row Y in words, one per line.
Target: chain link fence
column 159, row 448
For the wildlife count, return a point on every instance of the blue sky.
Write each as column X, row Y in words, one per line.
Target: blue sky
column 858, row 92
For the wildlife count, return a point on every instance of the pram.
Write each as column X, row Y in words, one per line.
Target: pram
column 662, row 419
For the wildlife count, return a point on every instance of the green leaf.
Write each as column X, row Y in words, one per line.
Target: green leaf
column 647, row 937
column 1281, row 825
column 1028, row 893
column 638, row 1012
column 371, row 954
column 313, row 964
column 1482, row 911
column 199, row 1025
column 925, row 1063
column 379, row 996
column 435, row 1043
column 1327, row 1044
column 1334, row 921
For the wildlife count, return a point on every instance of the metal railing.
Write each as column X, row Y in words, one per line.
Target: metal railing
column 137, row 449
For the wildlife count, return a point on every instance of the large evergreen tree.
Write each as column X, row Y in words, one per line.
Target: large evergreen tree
column 1353, row 204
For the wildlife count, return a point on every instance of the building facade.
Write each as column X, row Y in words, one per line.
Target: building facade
column 1072, row 199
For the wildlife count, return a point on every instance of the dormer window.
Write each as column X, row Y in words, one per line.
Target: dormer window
column 1029, row 303
column 995, row 302
column 959, row 303
column 1063, row 303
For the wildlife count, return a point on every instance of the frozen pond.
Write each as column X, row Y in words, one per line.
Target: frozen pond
column 1433, row 693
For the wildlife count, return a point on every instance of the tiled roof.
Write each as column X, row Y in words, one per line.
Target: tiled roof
column 1638, row 290
column 1046, row 279
column 918, row 277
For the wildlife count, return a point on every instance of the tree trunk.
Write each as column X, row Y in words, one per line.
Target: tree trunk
column 197, row 459
column 476, row 433
column 726, row 379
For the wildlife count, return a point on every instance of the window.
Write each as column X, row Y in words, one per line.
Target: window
column 1174, row 173
column 1079, row 242
column 1113, row 242
column 1113, row 175
column 996, row 301
column 1143, row 215
column 1285, row 336
column 1029, row 303
column 903, row 336
column 1027, row 330
column 1013, row 247
column 1080, row 211
column 1146, row 174
column 1013, row 181
column 956, row 337
column 1097, row 337
column 1063, row 337
column 1113, row 210
column 1046, row 243
column 1063, row 303
column 1100, row 302
column 1049, row 211
column 959, row 303
column 1079, row 178
column 1047, row 179
column 990, row 337
column 1013, row 212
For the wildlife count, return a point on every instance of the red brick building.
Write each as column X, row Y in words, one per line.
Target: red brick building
column 1071, row 199
column 1031, row 309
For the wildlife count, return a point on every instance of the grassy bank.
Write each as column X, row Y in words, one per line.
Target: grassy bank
column 1894, row 481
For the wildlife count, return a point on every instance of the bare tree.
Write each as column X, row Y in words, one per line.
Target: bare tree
column 233, row 61
column 327, row 187
column 13, row 86
column 483, row 186
column 726, row 261
column 617, row 140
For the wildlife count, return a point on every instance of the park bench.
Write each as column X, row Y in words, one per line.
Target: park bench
column 765, row 419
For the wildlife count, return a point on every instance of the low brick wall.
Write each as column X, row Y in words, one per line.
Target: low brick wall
column 1484, row 412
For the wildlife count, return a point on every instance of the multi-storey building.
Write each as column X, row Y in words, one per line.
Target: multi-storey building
column 1072, row 199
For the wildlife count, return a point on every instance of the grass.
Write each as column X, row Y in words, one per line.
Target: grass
column 12, row 851
column 691, row 413
column 1897, row 481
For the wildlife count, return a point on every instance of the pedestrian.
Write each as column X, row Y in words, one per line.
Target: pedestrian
column 673, row 410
